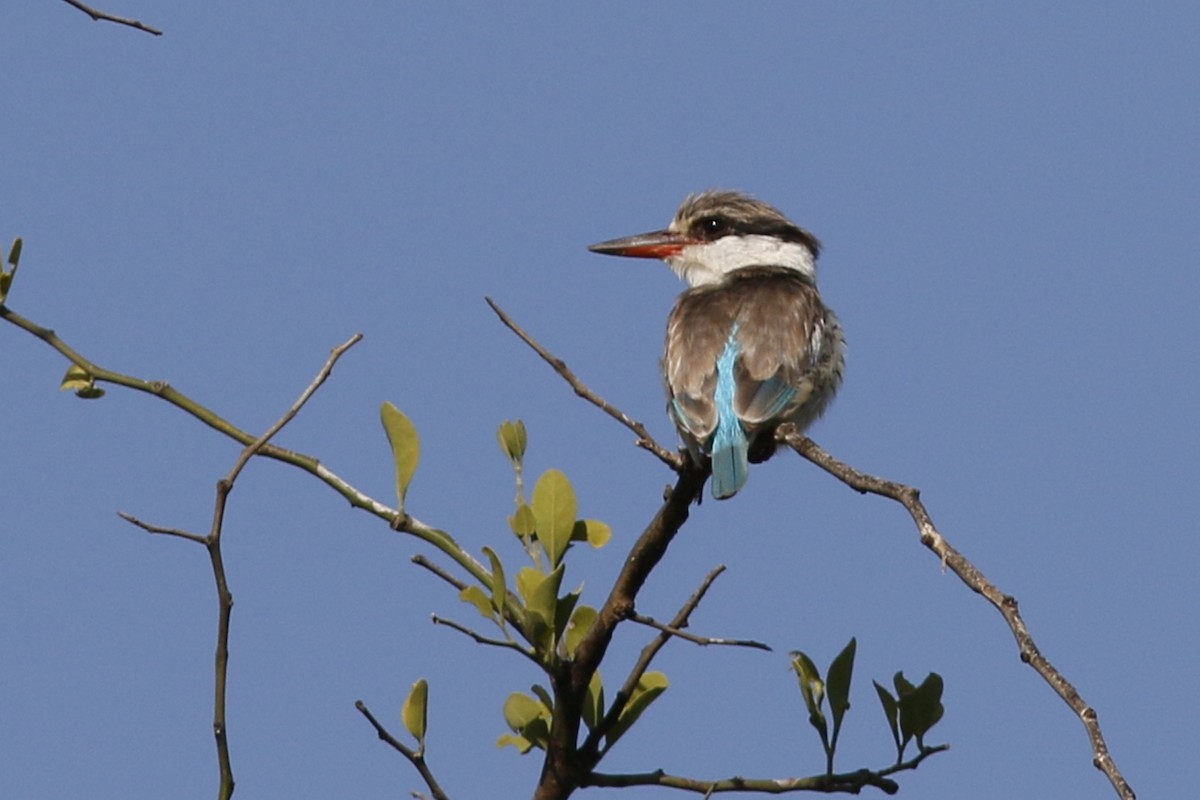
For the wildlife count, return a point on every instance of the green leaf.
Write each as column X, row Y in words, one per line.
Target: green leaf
column 406, row 447
column 544, row 696
column 75, row 378
column 81, row 382
column 513, row 440
column 593, row 702
column 540, row 593
column 838, row 685
column 592, row 531
column 14, row 253
column 415, row 711
column 520, row 742
column 478, row 598
column 649, row 687
column 922, row 708
column 528, row 579
column 554, row 508
column 581, row 622
column 499, row 585
column 563, row 610
column 813, row 690
column 892, row 711
column 523, row 523
column 529, row 718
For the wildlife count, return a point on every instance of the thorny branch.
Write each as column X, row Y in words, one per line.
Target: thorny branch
column 101, row 16
column 1006, row 604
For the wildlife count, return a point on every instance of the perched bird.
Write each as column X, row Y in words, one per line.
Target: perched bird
column 750, row 344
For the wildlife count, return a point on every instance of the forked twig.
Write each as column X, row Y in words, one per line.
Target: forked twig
column 212, row 542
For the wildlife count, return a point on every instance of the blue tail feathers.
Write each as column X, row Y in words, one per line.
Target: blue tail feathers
column 729, row 448
column 730, row 459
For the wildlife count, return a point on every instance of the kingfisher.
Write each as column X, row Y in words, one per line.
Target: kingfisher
column 750, row 344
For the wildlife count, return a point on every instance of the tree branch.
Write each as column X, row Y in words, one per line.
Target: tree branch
column 1006, row 604
column 212, row 543
column 417, row 759
column 402, row 522
column 645, row 440
column 703, row 641
column 101, row 16
column 843, row 783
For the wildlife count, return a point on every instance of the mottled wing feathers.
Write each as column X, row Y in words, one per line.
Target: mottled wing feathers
column 780, row 319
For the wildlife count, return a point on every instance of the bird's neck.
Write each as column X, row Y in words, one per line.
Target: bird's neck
column 709, row 263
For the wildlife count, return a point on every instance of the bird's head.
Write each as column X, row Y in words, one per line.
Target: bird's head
column 717, row 232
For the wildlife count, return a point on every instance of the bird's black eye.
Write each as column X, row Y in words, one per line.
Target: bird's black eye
column 713, row 227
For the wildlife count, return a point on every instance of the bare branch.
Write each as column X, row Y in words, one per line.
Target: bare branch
column 645, row 440
column 703, row 641
column 422, row 561
column 1006, row 604
column 146, row 526
column 508, row 644
column 417, row 759
column 101, row 16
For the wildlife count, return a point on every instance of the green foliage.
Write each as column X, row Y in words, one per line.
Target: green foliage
column 529, row 720
column 552, row 622
column 913, row 711
column 406, row 447
column 554, row 509
column 649, row 687
column 593, row 702
column 911, row 716
column 513, row 441
column 83, row 383
column 415, row 711
column 6, row 277
column 578, row 627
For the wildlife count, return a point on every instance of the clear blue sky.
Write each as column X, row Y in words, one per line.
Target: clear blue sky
column 1007, row 194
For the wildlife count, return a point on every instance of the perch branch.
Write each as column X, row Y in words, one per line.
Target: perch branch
column 1006, row 604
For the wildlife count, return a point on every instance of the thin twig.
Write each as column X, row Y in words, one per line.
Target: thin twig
column 703, row 641
column 1006, row 604
column 101, row 16
column 422, row 561
column 146, row 526
column 417, row 759
column 508, row 644
column 645, row 440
